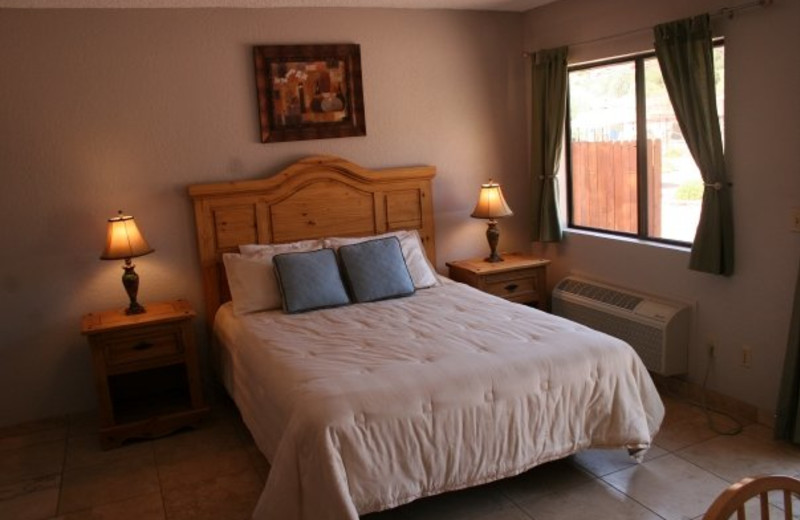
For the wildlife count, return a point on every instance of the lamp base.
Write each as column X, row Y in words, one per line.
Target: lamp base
column 494, row 258
column 135, row 308
column 493, row 236
column 131, row 282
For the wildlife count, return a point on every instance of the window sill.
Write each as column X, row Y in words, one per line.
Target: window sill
column 628, row 240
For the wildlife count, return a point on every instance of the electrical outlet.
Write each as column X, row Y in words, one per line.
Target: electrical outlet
column 747, row 356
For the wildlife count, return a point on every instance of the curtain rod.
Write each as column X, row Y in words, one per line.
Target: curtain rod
column 727, row 12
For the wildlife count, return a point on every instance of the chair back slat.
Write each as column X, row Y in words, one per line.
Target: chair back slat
column 764, row 505
column 733, row 499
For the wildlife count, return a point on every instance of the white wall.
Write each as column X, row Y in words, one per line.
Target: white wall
column 752, row 307
column 103, row 110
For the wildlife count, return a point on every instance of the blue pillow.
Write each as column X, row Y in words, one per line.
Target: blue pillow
column 309, row 280
column 376, row 270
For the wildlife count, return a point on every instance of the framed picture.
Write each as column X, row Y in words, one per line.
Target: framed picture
column 309, row 91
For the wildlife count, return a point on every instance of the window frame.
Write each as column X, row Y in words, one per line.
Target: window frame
column 643, row 218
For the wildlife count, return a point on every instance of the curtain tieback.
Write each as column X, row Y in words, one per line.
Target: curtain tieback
column 717, row 185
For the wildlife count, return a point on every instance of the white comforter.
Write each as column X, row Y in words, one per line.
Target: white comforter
column 366, row 407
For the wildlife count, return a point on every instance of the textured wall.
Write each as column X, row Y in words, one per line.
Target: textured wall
column 753, row 307
column 122, row 109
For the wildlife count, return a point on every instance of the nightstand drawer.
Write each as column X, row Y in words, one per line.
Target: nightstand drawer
column 155, row 343
column 508, row 286
column 510, row 276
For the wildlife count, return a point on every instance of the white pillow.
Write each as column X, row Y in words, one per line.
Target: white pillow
column 275, row 249
column 251, row 277
column 419, row 267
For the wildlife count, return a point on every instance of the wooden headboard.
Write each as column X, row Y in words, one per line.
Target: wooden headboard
column 313, row 198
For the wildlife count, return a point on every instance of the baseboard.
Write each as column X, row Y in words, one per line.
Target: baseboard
column 717, row 401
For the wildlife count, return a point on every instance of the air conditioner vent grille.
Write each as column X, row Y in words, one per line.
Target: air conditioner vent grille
column 646, row 340
column 600, row 294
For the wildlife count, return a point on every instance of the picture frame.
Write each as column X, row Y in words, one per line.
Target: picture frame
column 309, row 91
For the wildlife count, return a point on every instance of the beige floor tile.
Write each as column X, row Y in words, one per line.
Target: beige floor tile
column 688, row 423
column 258, row 461
column 677, row 435
column 481, row 503
column 220, row 421
column 223, row 413
column 679, row 411
column 11, row 442
column 145, row 507
column 547, row 478
column 51, row 423
column 669, row 486
column 31, row 461
column 85, row 450
column 216, row 472
column 229, row 497
column 759, row 431
column 603, row 462
column 84, row 423
column 197, row 455
column 242, row 431
column 30, row 499
column 91, row 486
column 724, row 424
column 594, row 499
column 735, row 457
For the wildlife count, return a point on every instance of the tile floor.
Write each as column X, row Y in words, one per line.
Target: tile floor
column 55, row 469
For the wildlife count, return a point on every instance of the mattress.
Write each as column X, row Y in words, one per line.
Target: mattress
column 370, row 406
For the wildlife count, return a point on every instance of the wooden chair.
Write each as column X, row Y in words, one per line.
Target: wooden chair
column 733, row 499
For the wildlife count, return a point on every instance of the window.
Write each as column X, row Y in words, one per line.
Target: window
column 629, row 170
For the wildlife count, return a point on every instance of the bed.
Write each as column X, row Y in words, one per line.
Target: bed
column 367, row 406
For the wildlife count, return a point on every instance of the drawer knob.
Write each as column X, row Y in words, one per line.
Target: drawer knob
column 143, row 345
column 511, row 287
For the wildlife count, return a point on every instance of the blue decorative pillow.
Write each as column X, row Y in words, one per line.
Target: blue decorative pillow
column 309, row 280
column 376, row 270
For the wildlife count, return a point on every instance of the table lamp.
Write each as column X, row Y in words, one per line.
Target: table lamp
column 125, row 241
column 491, row 205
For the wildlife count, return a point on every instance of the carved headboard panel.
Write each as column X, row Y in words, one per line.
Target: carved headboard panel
column 313, row 198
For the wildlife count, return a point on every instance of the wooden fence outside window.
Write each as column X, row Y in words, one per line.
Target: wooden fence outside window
column 604, row 184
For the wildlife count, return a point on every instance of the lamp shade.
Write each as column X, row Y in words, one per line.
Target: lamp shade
column 491, row 203
column 124, row 240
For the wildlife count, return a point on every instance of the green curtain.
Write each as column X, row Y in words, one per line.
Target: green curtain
column 549, row 102
column 787, row 425
column 684, row 52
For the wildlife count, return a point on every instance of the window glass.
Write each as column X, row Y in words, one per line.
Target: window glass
column 603, row 147
column 603, row 177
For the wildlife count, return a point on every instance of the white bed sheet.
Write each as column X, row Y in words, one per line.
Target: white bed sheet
column 366, row 407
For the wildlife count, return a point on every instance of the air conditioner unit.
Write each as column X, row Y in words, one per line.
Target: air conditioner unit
column 657, row 329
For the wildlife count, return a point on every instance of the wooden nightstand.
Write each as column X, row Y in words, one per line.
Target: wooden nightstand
column 519, row 278
column 146, row 371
